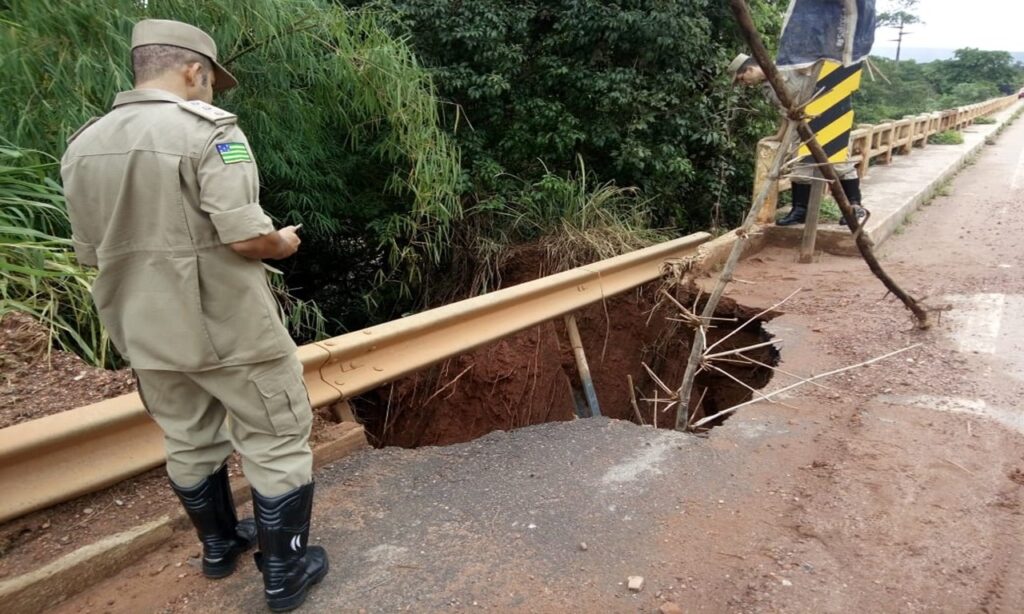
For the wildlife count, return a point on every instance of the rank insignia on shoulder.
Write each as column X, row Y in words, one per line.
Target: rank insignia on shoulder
column 75, row 134
column 208, row 112
column 233, row 153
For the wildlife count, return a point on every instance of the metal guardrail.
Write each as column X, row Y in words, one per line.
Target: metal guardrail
column 59, row 457
column 881, row 141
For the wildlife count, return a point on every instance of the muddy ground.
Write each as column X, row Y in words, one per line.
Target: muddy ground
column 36, row 383
column 895, row 488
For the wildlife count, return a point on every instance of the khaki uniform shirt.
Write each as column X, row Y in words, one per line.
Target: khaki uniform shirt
column 155, row 189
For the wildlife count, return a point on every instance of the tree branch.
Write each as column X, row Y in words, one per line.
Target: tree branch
column 750, row 34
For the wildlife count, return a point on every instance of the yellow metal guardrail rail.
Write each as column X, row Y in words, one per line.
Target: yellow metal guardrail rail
column 59, row 457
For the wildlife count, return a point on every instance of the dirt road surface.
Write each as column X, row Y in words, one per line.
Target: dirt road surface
column 896, row 488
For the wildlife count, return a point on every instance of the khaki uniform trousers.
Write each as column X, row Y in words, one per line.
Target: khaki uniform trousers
column 268, row 420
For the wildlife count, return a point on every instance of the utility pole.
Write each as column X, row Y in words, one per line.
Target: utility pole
column 900, row 34
column 903, row 15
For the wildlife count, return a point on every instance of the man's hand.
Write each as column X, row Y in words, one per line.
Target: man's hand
column 290, row 237
column 276, row 245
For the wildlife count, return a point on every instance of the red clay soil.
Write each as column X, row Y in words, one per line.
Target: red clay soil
column 531, row 377
column 34, row 385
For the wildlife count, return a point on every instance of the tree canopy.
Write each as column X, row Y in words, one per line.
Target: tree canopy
column 910, row 88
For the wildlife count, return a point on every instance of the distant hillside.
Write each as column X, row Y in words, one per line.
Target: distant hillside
column 926, row 54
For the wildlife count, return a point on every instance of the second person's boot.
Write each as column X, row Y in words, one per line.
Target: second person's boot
column 211, row 509
column 290, row 566
column 851, row 187
column 798, row 214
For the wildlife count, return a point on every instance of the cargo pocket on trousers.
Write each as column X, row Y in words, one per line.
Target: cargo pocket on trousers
column 286, row 410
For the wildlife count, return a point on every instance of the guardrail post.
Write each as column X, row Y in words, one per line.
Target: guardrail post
column 342, row 412
column 581, row 365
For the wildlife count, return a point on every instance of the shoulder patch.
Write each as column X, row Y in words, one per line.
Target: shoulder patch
column 76, row 133
column 209, row 112
column 232, row 153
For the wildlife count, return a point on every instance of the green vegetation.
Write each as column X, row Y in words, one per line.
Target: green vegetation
column 572, row 127
column 829, row 211
column 984, row 120
column 909, row 88
column 949, row 137
column 38, row 272
column 637, row 90
column 560, row 221
column 343, row 120
column 428, row 148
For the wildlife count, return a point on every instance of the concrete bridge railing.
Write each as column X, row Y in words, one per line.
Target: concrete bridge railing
column 880, row 142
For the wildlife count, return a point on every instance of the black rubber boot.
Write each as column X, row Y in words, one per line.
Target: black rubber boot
column 851, row 187
column 211, row 509
column 289, row 565
column 797, row 215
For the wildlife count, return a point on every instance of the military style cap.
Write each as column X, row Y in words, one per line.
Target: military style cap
column 178, row 34
column 736, row 63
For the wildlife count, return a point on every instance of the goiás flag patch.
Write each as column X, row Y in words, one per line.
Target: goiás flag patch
column 233, row 153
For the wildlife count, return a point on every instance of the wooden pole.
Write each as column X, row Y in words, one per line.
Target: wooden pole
column 811, row 223
column 795, row 114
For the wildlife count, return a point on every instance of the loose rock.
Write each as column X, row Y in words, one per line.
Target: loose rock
column 636, row 583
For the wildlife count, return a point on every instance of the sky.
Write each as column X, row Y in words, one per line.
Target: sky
column 952, row 24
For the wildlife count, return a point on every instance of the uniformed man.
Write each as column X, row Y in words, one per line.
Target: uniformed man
column 163, row 195
column 747, row 71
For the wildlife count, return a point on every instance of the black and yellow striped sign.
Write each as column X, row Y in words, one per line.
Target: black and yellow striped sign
column 831, row 112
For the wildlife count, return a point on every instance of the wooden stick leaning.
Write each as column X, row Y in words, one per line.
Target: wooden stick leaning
column 795, row 115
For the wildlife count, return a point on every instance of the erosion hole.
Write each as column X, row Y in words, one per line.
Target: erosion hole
column 530, row 377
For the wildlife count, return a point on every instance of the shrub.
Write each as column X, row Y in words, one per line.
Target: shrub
column 949, row 137
column 984, row 120
column 636, row 89
column 570, row 220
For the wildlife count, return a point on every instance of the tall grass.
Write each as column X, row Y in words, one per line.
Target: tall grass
column 343, row 119
column 559, row 221
column 39, row 275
